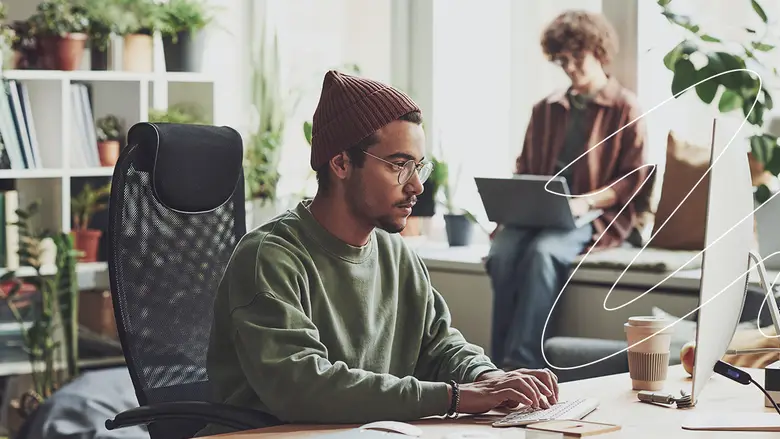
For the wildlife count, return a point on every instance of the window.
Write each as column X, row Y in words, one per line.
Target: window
column 314, row 37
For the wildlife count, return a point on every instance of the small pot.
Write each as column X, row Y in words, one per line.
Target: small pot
column 108, row 152
column 459, row 229
column 62, row 53
column 138, row 53
column 184, row 55
column 87, row 241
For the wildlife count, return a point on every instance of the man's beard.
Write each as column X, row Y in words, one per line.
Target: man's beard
column 358, row 207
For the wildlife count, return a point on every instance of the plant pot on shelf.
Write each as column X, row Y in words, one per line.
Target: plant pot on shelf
column 184, row 54
column 459, row 229
column 138, row 53
column 87, row 242
column 99, row 58
column 109, row 152
column 62, row 52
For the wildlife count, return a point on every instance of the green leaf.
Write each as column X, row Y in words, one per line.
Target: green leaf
column 773, row 166
column 684, row 76
column 768, row 103
column 730, row 62
column 664, row 2
column 750, row 31
column 762, row 148
column 684, row 48
column 763, row 194
column 763, row 47
column 729, row 101
column 708, row 89
column 710, row 39
column 756, row 116
column 307, row 126
column 759, row 10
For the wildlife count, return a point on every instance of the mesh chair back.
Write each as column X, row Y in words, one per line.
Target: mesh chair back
column 176, row 214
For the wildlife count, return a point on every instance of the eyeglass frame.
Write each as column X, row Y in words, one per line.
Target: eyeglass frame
column 417, row 168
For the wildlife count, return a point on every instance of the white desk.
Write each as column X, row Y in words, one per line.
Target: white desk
column 619, row 405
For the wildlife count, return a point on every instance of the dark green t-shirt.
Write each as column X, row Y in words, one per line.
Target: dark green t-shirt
column 576, row 134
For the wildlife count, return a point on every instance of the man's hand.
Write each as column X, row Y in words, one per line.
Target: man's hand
column 497, row 389
column 579, row 206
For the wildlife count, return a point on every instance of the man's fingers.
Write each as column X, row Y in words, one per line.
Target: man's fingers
column 541, row 391
column 526, row 388
column 512, row 397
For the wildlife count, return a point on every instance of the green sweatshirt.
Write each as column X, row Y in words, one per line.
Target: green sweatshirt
column 313, row 330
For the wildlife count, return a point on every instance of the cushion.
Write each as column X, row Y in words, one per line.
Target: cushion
column 685, row 164
column 650, row 260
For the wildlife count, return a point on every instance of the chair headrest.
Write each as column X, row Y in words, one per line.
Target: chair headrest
column 195, row 168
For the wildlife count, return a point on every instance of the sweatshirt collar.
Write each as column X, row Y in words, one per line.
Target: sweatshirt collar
column 329, row 242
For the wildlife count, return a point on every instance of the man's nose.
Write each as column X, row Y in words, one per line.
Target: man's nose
column 414, row 185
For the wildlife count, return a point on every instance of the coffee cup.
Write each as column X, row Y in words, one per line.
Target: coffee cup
column 648, row 360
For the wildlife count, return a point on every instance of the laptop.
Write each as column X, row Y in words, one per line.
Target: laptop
column 523, row 201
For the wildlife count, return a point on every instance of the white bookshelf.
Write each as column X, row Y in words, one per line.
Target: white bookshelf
column 127, row 95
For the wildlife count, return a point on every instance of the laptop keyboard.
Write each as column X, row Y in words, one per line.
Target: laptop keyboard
column 575, row 409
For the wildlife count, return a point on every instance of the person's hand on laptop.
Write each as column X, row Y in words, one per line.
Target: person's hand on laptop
column 579, row 206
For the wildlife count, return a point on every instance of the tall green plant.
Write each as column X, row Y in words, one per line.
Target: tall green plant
column 53, row 332
column 736, row 91
column 270, row 106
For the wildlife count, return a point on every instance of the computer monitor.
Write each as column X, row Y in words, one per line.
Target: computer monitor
column 727, row 253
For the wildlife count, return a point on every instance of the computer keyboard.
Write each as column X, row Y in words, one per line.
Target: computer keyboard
column 575, row 409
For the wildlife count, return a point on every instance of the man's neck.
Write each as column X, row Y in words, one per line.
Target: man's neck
column 593, row 85
column 335, row 217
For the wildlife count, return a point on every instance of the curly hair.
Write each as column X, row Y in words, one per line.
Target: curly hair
column 578, row 32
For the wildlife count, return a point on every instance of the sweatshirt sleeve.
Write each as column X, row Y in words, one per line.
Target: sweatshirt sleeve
column 445, row 354
column 287, row 365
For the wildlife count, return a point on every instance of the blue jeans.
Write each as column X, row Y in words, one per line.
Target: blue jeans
column 528, row 268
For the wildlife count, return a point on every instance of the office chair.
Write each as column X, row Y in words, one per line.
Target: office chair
column 176, row 213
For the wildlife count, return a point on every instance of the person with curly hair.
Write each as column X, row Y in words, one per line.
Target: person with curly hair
column 529, row 267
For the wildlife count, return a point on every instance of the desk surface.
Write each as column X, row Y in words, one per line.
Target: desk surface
column 619, row 405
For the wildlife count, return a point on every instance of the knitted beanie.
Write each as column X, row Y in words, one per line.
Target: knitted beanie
column 350, row 109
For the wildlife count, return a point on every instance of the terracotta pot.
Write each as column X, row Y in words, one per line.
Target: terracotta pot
column 108, row 152
column 138, row 53
column 87, row 241
column 62, row 53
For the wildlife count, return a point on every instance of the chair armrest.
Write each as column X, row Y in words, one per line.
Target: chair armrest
column 223, row 414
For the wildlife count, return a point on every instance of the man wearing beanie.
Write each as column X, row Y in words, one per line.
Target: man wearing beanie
column 325, row 316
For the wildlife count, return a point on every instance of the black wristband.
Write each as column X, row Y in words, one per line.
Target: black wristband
column 452, row 412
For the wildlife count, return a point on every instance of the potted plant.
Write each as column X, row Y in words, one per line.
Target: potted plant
column 459, row 223
column 61, row 30
column 109, row 131
column 104, row 16
column 48, row 314
column 140, row 20
column 270, row 109
column 179, row 113
column 735, row 91
column 87, row 203
column 181, row 23
column 7, row 41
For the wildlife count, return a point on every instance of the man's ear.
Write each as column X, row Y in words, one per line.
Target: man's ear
column 341, row 165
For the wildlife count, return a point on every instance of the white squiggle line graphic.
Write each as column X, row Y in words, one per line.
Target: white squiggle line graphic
column 652, row 170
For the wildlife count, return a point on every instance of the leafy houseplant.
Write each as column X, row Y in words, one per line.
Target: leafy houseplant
column 89, row 201
column 61, row 30
column 459, row 222
column 50, row 321
column 104, row 18
column 108, row 130
column 178, row 113
column 7, row 40
column 181, row 20
column 140, row 20
column 270, row 108
column 737, row 91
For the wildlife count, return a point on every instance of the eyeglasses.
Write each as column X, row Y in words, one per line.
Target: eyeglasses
column 406, row 170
